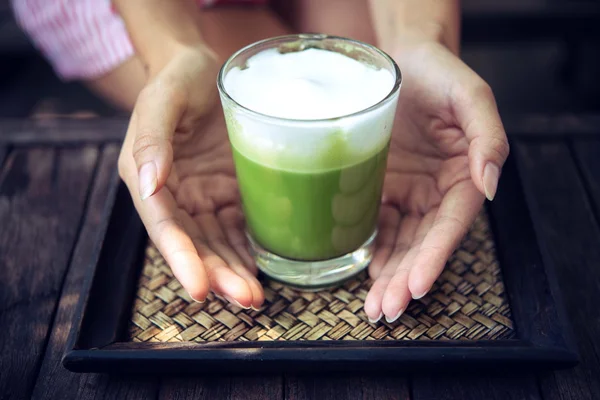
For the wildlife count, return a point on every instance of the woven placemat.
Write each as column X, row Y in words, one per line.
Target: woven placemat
column 466, row 303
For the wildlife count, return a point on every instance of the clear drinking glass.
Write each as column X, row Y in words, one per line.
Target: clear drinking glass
column 311, row 189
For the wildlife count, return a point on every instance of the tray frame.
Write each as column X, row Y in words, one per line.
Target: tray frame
column 96, row 341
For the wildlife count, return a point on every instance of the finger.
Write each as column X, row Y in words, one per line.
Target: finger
column 223, row 280
column 158, row 111
column 215, row 239
column 166, row 228
column 478, row 116
column 165, row 225
column 373, row 302
column 397, row 296
column 374, row 297
column 232, row 221
column 457, row 212
column 389, row 220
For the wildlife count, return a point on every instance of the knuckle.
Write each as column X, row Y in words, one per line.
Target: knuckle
column 146, row 143
column 502, row 147
column 481, row 90
column 499, row 145
column 165, row 226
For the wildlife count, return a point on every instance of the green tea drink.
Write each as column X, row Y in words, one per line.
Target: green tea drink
column 313, row 215
column 309, row 120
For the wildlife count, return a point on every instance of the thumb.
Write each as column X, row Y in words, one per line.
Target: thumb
column 478, row 116
column 158, row 111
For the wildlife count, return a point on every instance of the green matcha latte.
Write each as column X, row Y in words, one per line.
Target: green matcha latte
column 310, row 128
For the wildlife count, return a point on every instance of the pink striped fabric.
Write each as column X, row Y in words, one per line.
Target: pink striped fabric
column 82, row 39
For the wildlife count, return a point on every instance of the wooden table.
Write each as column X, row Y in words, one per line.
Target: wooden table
column 54, row 179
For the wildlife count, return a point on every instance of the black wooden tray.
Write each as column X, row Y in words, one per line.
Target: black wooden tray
column 99, row 340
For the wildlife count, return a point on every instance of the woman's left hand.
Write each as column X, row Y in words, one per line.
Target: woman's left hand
column 446, row 154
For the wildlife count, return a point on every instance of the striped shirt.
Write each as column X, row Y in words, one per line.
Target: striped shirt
column 82, row 39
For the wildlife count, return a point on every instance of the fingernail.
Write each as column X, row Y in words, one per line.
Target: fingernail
column 254, row 308
column 491, row 174
column 148, row 180
column 390, row 320
column 197, row 301
column 419, row 296
column 374, row 321
column 235, row 302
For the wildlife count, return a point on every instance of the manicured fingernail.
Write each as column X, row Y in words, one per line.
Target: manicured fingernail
column 254, row 308
column 390, row 320
column 148, row 180
column 235, row 302
column 491, row 174
column 374, row 321
column 419, row 296
column 197, row 301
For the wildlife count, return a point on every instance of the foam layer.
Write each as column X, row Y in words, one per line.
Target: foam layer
column 302, row 87
column 309, row 84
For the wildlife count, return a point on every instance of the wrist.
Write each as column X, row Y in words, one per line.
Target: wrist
column 162, row 55
column 407, row 38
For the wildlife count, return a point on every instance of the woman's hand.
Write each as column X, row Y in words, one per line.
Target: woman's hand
column 177, row 164
column 447, row 150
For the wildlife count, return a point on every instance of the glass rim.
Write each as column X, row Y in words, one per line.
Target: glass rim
column 383, row 101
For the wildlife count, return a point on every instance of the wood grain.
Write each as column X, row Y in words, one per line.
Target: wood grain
column 587, row 156
column 3, row 153
column 500, row 386
column 54, row 381
column 250, row 387
column 112, row 387
column 42, row 198
column 560, row 126
column 62, row 130
column 347, row 386
column 569, row 237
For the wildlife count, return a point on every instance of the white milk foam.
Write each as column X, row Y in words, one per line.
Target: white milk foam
column 301, row 87
column 309, row 84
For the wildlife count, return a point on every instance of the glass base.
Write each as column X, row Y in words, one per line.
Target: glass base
column 313, row 275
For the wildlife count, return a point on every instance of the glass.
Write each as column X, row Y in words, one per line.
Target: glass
column 311, row 189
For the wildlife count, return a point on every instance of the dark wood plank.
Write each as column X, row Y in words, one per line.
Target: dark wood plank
column 42, row 197
column 54, row 381
column 62, row 130
column 587, row 156
column 222, row 387
column 107, row 387
column 569, row 238
column 347, row 386
column 3, row 153
column 564, row 125
column 519, row 20
column 463, row 386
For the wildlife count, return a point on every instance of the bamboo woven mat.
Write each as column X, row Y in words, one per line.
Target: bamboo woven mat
column 466, row 303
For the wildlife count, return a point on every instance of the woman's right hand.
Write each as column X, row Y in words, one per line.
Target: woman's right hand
column 177, row 164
